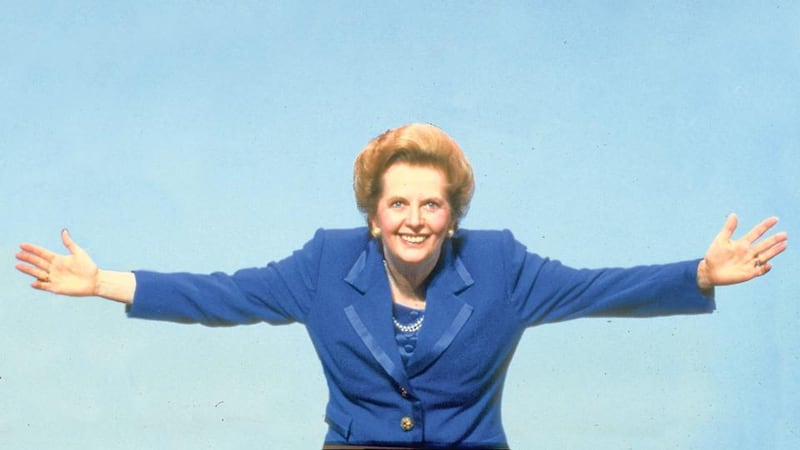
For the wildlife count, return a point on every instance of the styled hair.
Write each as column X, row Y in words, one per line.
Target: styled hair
column 417, row 144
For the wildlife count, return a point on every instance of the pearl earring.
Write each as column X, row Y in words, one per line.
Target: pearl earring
column 450, row 233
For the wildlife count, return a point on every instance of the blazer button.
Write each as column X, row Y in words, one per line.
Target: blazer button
column 403, row 392
column 406, row 424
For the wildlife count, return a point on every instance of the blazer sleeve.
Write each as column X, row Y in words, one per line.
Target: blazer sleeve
column 281, row 292
column 544, row 290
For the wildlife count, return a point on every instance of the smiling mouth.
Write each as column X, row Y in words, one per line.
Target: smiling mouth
column 415, row 239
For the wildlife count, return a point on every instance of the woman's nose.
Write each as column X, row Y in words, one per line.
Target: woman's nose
column 414, row 218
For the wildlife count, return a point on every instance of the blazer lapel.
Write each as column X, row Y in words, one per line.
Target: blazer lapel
column 445, row 312
column 371, row 314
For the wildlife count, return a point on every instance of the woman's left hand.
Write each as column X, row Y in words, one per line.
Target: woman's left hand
column 735, row 261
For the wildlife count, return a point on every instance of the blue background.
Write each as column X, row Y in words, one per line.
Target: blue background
column 202, row 136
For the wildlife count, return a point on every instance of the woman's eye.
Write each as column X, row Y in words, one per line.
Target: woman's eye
column 432, row 205
column 396, row 204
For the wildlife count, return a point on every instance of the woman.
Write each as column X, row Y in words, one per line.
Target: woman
column 414, row 320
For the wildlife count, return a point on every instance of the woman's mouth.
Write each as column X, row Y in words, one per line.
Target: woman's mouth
column 412, row 239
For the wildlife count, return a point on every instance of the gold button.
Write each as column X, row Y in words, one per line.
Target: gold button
column 406, row 424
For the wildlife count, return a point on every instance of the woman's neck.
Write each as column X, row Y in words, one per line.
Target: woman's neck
column 408, row 286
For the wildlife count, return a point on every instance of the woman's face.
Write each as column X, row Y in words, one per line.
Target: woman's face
column 413, row 215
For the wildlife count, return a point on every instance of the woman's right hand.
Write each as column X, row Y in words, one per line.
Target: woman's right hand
column 74, row 274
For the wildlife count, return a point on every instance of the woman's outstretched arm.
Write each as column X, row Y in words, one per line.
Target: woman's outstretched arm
column 74, row 274
column 730, row 261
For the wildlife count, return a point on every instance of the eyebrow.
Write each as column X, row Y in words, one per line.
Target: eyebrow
column 424, row 199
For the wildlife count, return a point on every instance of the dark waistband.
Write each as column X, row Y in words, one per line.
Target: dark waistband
column 362, row 447
column 394, row 447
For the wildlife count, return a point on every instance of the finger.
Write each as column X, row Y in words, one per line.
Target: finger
column 770, row 242
column 26, row 269
column 35, row 272
column 33, row 260
column 43, row 253
column 68, row 242
column 760, row 229
column 43, row 286
column 730, row 226
column 772, row 252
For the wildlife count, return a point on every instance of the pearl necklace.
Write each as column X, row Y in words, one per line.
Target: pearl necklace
column 412, row 327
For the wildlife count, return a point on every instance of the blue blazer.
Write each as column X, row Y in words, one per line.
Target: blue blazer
column 486, row 289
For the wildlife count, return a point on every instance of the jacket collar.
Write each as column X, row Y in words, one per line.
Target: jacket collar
column 450, row 272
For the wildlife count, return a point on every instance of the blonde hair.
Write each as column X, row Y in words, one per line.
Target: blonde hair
column 415, row 144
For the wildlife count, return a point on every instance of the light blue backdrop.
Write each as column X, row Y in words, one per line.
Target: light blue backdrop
column 203, row 136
